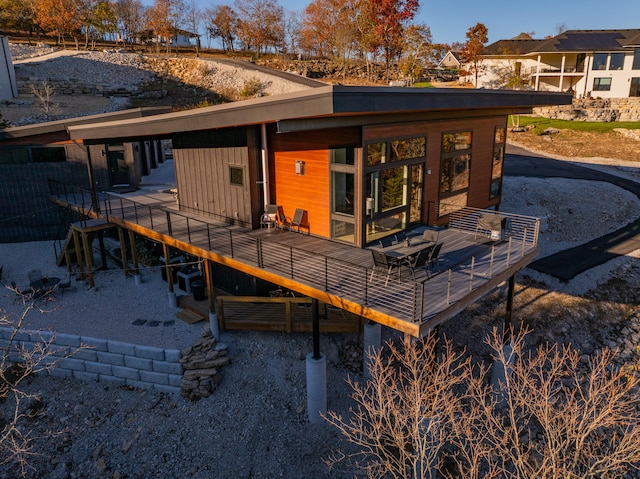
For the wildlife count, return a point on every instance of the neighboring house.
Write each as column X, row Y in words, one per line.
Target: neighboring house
column 588, row 63
column 364, row 165
column 32, row 155
column 8, row 86
column 179, row 38
column 451, row 61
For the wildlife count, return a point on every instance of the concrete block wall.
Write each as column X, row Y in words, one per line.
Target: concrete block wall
column 110, row 362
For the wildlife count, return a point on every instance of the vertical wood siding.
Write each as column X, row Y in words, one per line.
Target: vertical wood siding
column 204, row 184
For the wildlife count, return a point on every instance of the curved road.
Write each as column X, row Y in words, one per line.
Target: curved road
column 567, row 264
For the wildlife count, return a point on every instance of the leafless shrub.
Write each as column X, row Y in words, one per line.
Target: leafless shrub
column 44, row 93
column 552, row 415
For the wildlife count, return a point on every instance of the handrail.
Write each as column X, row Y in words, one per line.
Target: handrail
column 407, row 300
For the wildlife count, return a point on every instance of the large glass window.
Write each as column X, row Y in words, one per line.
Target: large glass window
column 498, row 162
column 343, row 193
column 635, row 87
column 408, row 148
column 456, row 162
column 636, row 59
column 376, row 153
column 580, row 58
column 599, row 61
column 601, row 84
column 394, row 182
column 616, row 61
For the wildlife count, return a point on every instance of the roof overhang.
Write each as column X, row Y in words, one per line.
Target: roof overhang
column 63, row 125
column 331, row 104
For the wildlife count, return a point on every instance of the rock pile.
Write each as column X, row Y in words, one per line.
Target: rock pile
column 352, row 357
column 627, row 341
column 610, row 109
column 202, row 363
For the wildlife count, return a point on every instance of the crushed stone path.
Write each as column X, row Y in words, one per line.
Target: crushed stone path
column 567, row 264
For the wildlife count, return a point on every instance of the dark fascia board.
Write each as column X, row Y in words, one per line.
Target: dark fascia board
column 323, row 102
column 63, row 125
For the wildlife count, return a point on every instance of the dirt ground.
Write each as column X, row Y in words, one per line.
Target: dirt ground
column 572, row 144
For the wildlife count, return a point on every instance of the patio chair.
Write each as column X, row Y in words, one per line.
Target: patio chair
column 299, row 221
column 433, row 257
column 284, row 222
column 382, row 263
column 430, row 235
column 270, row 217
column 419, row 260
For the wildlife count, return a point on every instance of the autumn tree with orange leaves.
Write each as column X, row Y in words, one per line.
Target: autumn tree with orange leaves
column 60, row 17
column 163, row 18
column 390, row 18
column 476, row 40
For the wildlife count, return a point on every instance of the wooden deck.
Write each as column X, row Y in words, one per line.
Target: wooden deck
column 470, row 265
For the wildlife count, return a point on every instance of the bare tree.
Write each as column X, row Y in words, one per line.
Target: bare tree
column 17, row 363
column 552, row 415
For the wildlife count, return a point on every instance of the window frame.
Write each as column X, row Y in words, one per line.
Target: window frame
column 232, row 176
column 600, row 84
column 450, row 159
column 616, row 58
column 599, row 62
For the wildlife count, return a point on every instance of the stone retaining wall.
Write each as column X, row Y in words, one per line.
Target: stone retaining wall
column 110, row 362
column 611, row 109
column 73, row 86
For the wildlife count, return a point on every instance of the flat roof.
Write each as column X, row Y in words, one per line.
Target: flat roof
column 63, row 125
column 327, row 102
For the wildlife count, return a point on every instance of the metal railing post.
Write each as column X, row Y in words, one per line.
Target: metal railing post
column 473, row 265
column 449, row 288
column 259, row 251
column 493, row 250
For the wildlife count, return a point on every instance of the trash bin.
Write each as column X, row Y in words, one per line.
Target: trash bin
column 198, row 288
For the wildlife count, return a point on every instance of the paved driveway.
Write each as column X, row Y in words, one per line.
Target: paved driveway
column 567, row 264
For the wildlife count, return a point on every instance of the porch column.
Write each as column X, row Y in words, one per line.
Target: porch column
column 123, row 252
column 316, row 372
column 134, row 252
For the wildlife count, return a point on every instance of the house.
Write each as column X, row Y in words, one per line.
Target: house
column 8, row 85
column 364, row 165
column 179, row 38
column 451, row 61
column 588, row 63
column 32, row 155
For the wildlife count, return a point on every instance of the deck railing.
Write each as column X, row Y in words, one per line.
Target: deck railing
column 407, row 299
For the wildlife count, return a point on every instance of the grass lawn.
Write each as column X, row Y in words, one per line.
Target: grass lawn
column 541, row 124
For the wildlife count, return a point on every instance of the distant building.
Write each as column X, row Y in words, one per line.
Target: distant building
column 179, row 38
column 8, row 88
column 451, row 61
column 589, row 63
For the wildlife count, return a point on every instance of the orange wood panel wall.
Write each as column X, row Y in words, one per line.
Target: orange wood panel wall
column 311, row 190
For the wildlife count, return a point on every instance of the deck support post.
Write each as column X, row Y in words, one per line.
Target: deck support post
column 123, row 252
column 134, row 252
column 88, row 256
column 371, row 344
column 173, row 300
column 214, row 325
column 506, row 332
column 316, row 365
